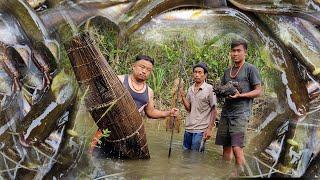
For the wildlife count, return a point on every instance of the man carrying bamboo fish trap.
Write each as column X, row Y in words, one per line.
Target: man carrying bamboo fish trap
column 142, row 94
column 200, row 102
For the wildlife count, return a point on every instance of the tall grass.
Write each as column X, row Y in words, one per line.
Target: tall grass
column 157, row 80
column 213, row 51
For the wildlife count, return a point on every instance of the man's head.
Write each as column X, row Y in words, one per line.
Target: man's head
column 200, row 72
column 238, row 50
column 142, row 67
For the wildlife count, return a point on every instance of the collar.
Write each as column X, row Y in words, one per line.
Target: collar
column 200, row 88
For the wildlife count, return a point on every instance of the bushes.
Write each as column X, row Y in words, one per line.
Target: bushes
column 170, row 53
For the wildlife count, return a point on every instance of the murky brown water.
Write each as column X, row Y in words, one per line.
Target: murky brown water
column 181, row 164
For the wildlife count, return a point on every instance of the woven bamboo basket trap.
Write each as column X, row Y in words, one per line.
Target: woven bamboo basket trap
column 108, row 101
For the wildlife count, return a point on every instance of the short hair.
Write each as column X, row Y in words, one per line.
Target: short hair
column 237, row 42
column 144, row 57
column 201, row 65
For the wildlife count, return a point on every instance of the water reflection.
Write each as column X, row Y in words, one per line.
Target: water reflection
column 181, row 164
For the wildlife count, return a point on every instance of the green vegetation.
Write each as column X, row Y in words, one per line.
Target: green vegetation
column 185, row 48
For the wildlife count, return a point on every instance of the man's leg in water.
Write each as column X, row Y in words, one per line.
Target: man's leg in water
column 227, row 153
column 239, row 156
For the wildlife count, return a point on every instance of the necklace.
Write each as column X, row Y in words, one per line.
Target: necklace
column 234, row 76
column 132, row 83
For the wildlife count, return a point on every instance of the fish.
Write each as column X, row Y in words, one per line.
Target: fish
column 64, row 19
column 35, row 3
column 42, row 118
column 304, row 9
column 144, row 11
column 201, row 148
column 292, row 32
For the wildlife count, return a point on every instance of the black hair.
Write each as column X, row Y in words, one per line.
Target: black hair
column 237, row 42
column 144, row 57
column 202, row 65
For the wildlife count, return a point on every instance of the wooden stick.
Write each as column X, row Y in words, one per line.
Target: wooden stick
column 174, row 118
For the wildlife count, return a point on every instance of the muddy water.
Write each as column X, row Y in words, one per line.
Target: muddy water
column 181, row 164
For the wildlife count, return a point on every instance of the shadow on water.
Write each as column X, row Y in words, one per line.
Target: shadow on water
column 181, row 164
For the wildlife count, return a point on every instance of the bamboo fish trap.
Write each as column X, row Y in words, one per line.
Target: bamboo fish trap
column 108, row 101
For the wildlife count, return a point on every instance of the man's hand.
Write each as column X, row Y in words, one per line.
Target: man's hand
column 236, row 95
column 207, row 134
column 214, row 124
column 174, row 112
column 181, row 93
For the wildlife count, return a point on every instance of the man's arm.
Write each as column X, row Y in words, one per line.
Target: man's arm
column 213, row 117
column 185, row 102
column 212, row 123
column 154, row 113
column 256, row 92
